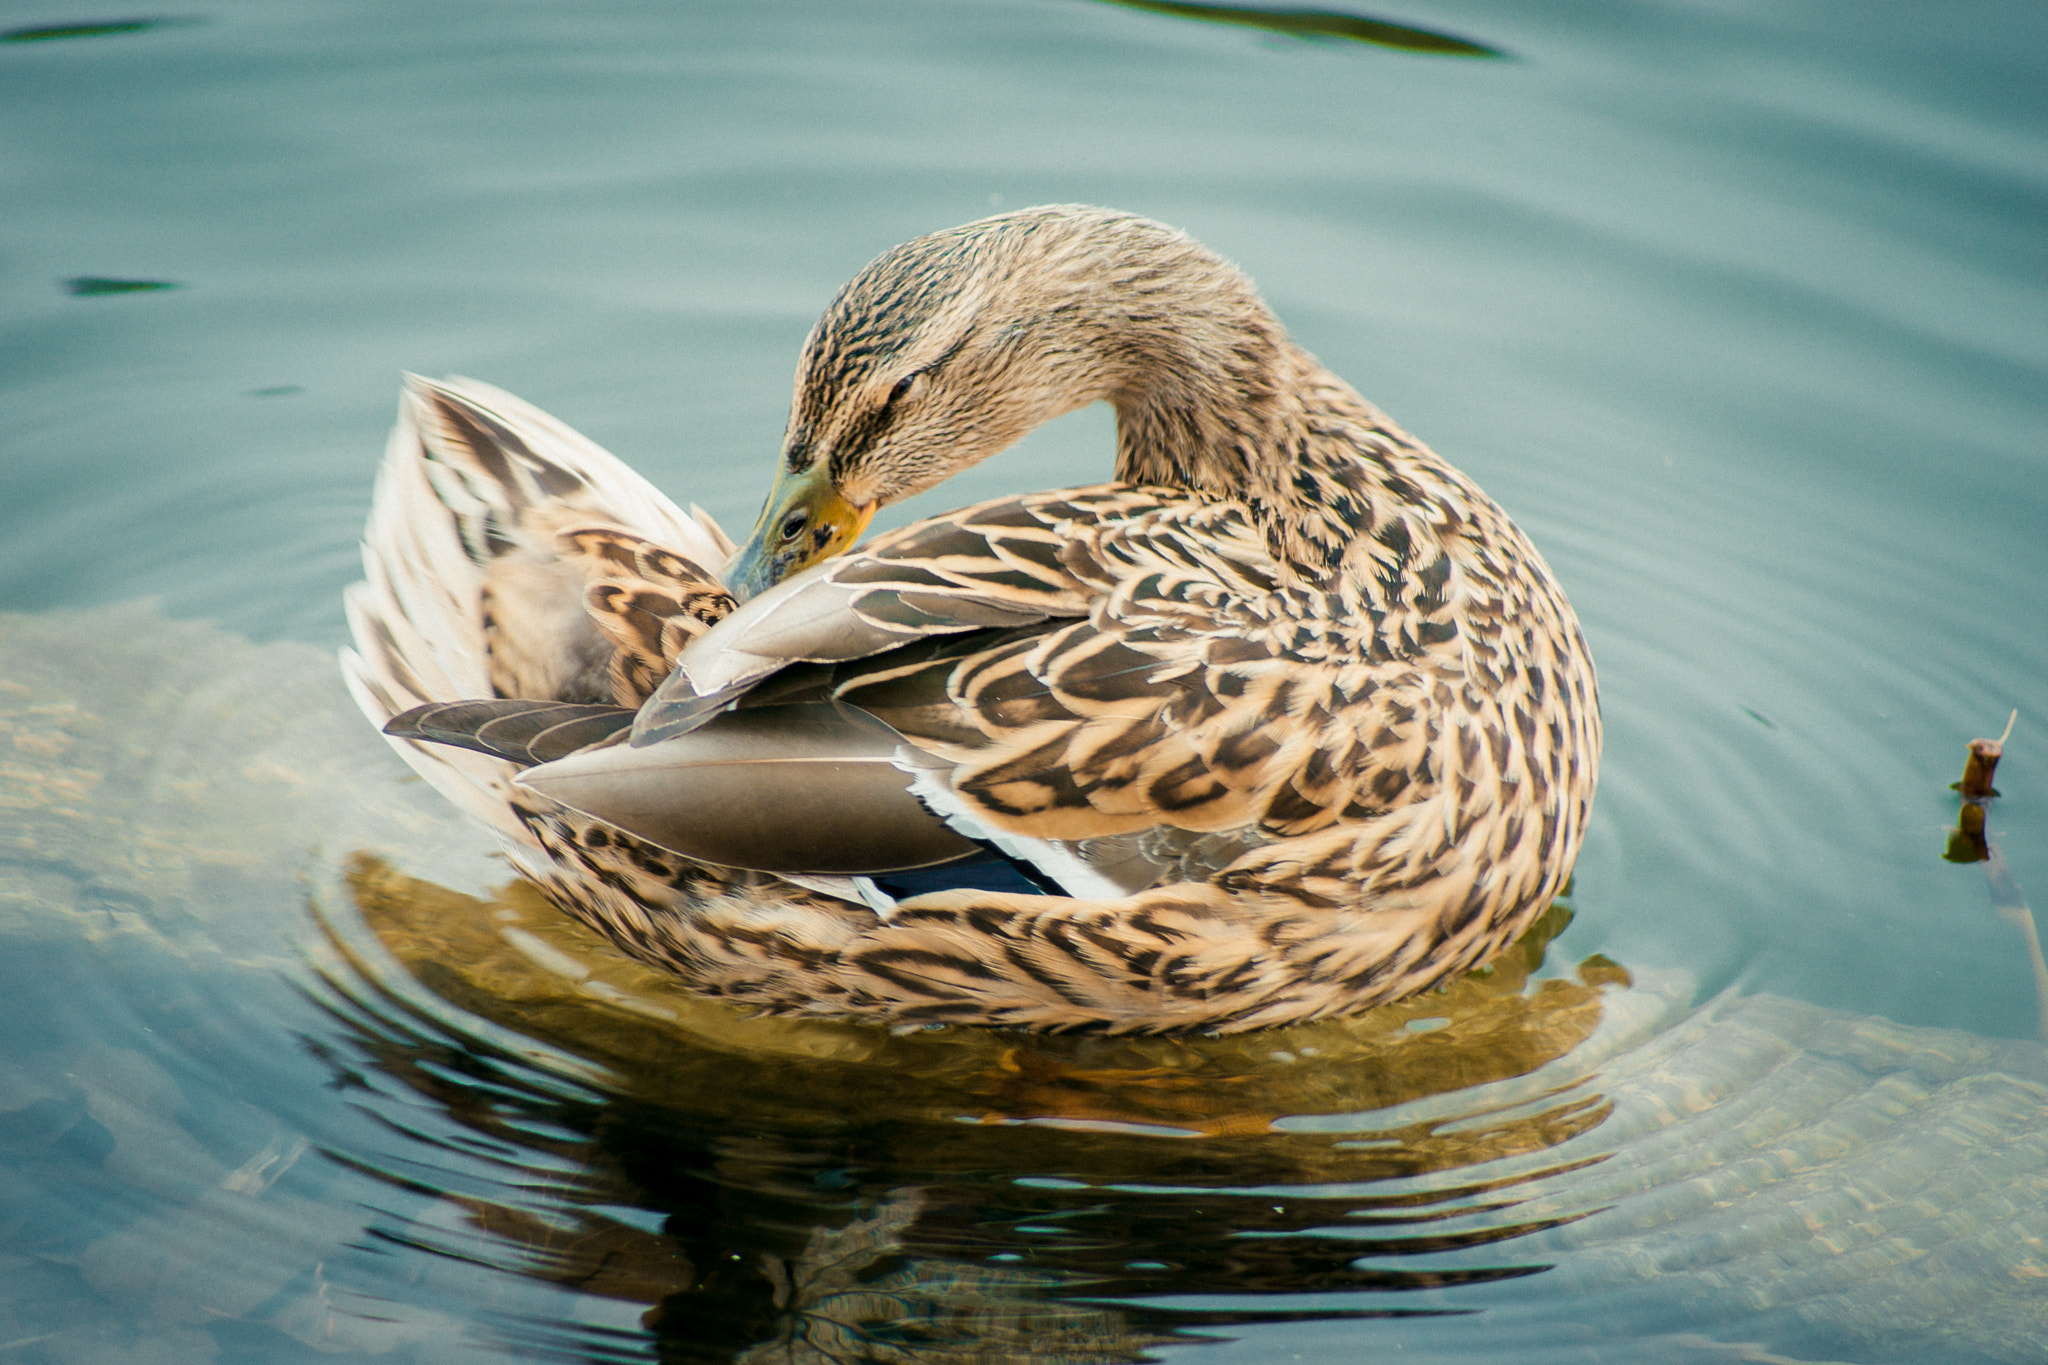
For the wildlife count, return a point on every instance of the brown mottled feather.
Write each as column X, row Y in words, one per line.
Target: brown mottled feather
column 648, row 601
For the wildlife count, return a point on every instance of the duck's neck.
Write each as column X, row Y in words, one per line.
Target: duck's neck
column 1224, row 405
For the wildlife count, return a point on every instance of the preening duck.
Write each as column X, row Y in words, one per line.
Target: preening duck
column 1285, row 721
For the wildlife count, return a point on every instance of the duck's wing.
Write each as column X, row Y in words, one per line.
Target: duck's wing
column 793, row 780
column 1103, row 684
column 1188, row 701
column 995, row 565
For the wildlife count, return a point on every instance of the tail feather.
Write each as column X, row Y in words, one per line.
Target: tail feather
column 512, row 456
column 468, row 593
column 420, row 588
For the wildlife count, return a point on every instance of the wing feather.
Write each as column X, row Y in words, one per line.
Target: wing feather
column 994, row 565
column 1121, row 676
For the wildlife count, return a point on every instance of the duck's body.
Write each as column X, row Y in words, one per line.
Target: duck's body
column 1291, row 712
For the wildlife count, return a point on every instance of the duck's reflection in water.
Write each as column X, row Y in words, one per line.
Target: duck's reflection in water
column 794, row 1191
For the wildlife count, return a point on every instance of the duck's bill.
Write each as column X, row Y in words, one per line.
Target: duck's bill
column 805, row 520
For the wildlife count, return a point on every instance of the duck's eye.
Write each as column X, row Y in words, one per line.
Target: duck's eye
column 793, row 524
column 905, row 386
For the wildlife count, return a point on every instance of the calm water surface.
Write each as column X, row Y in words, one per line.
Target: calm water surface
column 1738, row 308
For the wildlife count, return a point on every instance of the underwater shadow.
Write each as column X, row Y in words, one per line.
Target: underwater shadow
column 827, row 1192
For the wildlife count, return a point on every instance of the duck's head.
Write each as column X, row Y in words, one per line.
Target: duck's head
column 949, row 348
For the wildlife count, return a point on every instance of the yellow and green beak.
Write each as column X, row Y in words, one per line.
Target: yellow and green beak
column 805, row 520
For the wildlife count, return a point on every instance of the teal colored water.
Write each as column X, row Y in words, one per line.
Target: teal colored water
column 1740, row 309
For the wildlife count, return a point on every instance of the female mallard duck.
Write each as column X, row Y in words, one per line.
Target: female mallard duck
column 1286, row 721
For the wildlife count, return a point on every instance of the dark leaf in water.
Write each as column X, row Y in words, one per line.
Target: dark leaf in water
column 102, row 29
column 277, row 391
column 1320, row 23
column 87, row 286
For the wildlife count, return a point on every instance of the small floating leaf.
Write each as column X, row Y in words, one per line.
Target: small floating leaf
column 102, row 29
column 277, row 391
column 90, row 285
column 1760, row 718
column 1320, row 23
